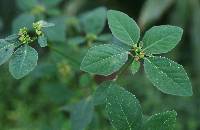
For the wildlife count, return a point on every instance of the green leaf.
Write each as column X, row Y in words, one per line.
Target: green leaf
column 168, row 76
column 96, row 19
column 123, row 27
column 161, row 121
column 100, row 94
column 23, row 20
column 42, row 40
column 24, row 60
column 123, row 109
column 81, row 114
column 135, row 66
column 26, row 5
column 45, row 24
column 6, row 50
column 161, row 39
column 56, row 33
column 104, row 59
column 152, row 11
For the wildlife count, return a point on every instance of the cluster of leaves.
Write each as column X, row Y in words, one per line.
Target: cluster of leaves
column 123, row 108
column 23, row 58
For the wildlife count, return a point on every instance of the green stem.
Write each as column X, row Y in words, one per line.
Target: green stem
column 124, row 68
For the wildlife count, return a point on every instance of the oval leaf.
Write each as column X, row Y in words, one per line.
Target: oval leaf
column 23, row 61
column 168, row 76
column 123, row 27
column 81, row 114
column 161, row 121
column 6, row 50
column 23, row 20
column 97, row 20
column 123, row 108
column 104, row 59
column 42, row 40
column 161, row 39
column 135, row 66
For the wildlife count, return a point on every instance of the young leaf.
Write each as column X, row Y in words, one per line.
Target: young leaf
column 135, row 66
column 23, row 61
column 94, row 21
column 23, row 20
column 81, row 114
column 104, row 59
column 168, row 76
column 161, row 39
column 45, row 24
column 6, row 50
column 123, row 27
column 161, row 121
column 42, row 40
column 123, row 109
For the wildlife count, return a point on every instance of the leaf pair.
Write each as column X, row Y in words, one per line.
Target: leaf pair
column 124, row 110
column 165, row 74
column 92, row 24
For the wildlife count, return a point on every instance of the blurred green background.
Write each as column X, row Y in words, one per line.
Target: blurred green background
column 54, row 95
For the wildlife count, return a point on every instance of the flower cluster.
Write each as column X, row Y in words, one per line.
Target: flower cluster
column 24, row 37
column 38, row 28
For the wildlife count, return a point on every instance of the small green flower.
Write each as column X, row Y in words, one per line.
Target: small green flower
column 24, row 36
column 38, row 28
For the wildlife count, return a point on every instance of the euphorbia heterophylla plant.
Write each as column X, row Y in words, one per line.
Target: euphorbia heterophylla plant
column 168, row 76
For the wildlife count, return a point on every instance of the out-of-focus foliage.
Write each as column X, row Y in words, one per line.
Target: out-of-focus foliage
column 48, row 98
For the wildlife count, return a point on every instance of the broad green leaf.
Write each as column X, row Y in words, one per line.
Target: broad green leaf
column 161, row 39
column 56, row 33
column 23, row 20
column 81, row 114
column 135, row 66
column 6, row 50
column 24, row 60
column 168, row 76
column 100, row 94
column 42, row 40
column 123, row 27
column 94, row 21
column 104, row 59
column 26, row 5
column 152, row 11
column 124, row 110
column 161, row 121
